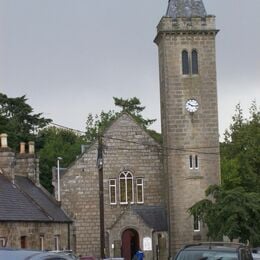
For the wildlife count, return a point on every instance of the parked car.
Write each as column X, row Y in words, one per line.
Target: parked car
column 256, row 256
column 215, row 251
column 23, row 254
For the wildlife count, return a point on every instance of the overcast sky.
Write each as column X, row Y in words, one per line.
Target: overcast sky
column 70, row 57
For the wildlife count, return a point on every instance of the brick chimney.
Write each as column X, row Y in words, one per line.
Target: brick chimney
column 7, row 157
column 27, row 163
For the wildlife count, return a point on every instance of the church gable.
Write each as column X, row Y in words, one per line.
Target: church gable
column 132, row 174
column 126, row 126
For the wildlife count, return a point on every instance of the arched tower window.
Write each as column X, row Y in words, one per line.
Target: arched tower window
column 194, row 58
column 185, row 63
column 126, row 187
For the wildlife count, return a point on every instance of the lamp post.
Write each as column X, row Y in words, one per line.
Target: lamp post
column 58, row 176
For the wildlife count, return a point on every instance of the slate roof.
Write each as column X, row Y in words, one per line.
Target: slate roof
column 23, row 201
column 186, row 8
column 154, row 216
column 49, row 205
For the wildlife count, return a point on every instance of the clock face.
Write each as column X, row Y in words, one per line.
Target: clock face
column 192, row 105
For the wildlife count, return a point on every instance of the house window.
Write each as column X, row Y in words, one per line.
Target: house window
column 23, row 241
column 2, row 241
column 196, row 223
column 112, row 191
column 185, row 63
column 194, row 63
column 56, row 242
column 126, row 187
column 42, row 242
column 140, row 190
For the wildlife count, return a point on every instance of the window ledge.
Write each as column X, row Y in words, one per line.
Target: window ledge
column 195, row 177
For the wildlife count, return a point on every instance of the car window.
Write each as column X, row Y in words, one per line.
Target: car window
column 206, row 255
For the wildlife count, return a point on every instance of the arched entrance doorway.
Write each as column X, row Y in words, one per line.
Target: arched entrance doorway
column 130, row 243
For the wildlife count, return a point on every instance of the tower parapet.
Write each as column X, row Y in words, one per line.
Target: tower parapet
column 184, row 25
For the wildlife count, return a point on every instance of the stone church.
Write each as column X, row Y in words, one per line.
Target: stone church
column 126, row 190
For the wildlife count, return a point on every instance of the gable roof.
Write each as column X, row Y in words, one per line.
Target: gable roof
column 150, row 141
column 23, row 201
column 46, row 202
column 186, row 8
column 125, row 114
column 154, row 216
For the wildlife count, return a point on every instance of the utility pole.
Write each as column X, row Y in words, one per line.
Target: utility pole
column 101, row 196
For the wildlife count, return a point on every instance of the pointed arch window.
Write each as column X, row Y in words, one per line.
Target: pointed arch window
column 194, row 61
column 185, row 62
column 126, row 187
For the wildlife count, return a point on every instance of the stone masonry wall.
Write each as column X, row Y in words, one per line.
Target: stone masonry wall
column 13, row 231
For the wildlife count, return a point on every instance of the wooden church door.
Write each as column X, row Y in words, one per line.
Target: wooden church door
column 130, row 243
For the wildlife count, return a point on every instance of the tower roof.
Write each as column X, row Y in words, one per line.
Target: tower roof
column 186, row 8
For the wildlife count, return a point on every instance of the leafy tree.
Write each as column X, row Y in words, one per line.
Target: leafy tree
column 240, row 160
column 18, row 120
column 234, row 213
column 235, row 208
column 55, row 143
column 97, row 124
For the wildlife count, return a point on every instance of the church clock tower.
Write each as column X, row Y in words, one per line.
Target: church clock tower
column 189, row 114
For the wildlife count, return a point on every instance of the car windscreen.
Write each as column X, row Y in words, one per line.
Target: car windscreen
column 206, row 255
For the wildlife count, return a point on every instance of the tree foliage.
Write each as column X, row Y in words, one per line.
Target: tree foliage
column 233, row 209
column 234, row 213
column 18, row 120
column 133, row 107
column 240, row 160
column 56, row 142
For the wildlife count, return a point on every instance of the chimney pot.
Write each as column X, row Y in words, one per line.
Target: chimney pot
column 3, row 140
column 31, row 147
column 22, row 147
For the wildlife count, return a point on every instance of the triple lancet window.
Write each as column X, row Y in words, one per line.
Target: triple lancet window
column 190, row 66
column 128, row 186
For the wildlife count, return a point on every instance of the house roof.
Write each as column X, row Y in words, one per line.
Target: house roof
column 45, row 201
column 186, row 9
column 154, row 216
column 23, row 201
